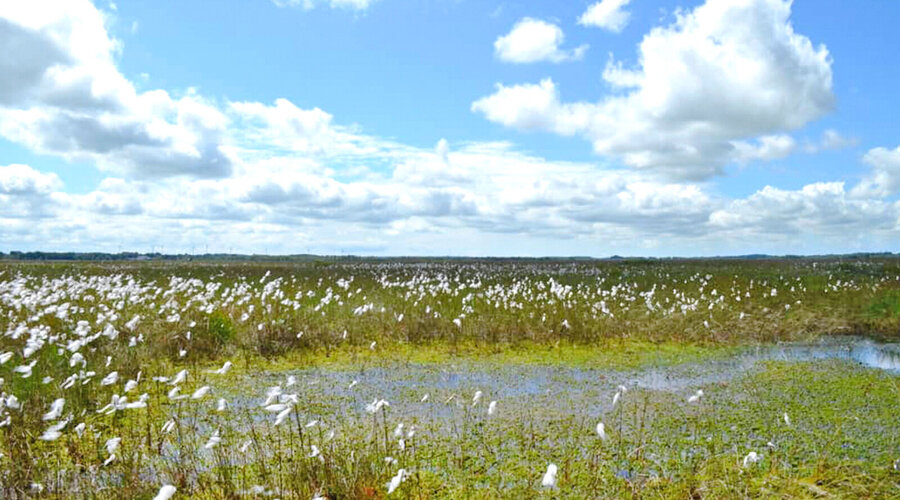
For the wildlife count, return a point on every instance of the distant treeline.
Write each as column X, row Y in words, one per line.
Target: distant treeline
column 135, row 256
column 124, row 256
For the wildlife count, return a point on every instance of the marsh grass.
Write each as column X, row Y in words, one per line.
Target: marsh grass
column 611, row 316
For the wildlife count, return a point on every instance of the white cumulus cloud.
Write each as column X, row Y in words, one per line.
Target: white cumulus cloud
column 606, row 14
column 884, row 178
column 27, row 193
column 722, row 73
column 533, row 40
column 61, row 93
column 821, row 209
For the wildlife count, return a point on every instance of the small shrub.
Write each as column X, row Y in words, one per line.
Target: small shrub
column 218, row 335
column 221, row 329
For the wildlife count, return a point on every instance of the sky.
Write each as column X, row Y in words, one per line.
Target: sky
column 450, row 127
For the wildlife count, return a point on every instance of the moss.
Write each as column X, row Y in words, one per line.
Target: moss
column 612, row 355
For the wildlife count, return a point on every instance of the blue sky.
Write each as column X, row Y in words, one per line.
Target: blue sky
column 450, row 127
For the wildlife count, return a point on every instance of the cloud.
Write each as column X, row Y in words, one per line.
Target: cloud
column 534, row 40
column 61, row 93
column 822, row 209
column 26, row 192
column 285, row 131
column 112, row 197
column 884, row 178
column 727, row 82
column 434, row 170
column 287, row 126
column 482, row 189
column 831, row 140
column 607, row 14
column 22, row 180
column 722, row 73
column 769, row 147
column 442, row 150
column 531, row 107
column 26, row 56
column 357, row 5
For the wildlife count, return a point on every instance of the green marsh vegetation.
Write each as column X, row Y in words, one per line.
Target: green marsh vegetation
column 326, row 360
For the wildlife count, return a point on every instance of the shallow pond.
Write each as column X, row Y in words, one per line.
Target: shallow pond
column 548, row 389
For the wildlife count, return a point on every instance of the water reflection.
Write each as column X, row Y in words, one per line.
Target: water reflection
column 884, row 356
column 861, row 350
